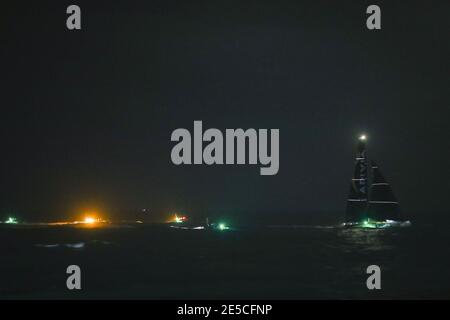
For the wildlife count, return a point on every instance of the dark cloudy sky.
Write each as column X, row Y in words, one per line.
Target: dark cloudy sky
column 86, row 116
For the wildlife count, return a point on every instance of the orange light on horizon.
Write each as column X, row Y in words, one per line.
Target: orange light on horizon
column 90, row 220
column 178, row 218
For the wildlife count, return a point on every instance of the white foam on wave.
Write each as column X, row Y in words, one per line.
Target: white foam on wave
column 79, row 245
column 76, row 245
column 39, row 245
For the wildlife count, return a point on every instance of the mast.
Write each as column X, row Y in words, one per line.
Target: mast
column 358, row 195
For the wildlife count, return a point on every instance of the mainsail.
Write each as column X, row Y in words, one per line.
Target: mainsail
column 382, row 202
column 358, row 194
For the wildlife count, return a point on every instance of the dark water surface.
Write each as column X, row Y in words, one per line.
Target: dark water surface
column 156, row 262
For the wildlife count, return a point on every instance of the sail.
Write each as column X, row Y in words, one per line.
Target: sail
column 382, row 202
column 358, row 194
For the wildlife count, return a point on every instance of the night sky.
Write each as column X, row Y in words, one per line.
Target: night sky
column 86, row 116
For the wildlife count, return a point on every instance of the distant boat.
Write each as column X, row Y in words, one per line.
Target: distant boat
column 206, row 226
column 216, row 226
column 371, row 202
column 11, row 220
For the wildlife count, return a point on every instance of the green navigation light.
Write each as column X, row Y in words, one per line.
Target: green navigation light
column 369, row 224
column 222, row 226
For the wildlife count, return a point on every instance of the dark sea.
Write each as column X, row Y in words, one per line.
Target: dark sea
column 151, row 261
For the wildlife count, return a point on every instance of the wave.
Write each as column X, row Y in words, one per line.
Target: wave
column 39, row 245
column 76, row 245
column 79, row 245
column 300, row 226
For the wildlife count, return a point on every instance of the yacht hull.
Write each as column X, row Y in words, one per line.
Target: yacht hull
column 376, row 224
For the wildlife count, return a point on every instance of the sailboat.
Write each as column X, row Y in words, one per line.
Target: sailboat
column 371, row 202
column 181, row 223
